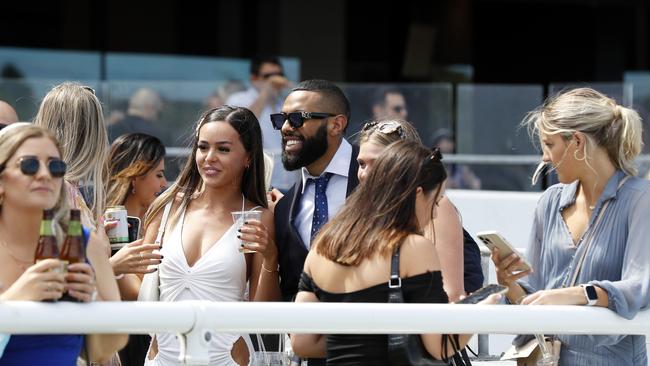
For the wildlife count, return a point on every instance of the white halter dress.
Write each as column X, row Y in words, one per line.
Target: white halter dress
column 219, row 275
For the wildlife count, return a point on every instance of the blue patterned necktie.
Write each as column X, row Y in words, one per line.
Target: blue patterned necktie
column 320, row 203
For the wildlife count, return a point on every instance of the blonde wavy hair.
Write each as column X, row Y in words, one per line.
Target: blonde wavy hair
column 605, row 123
column 11, row 139
column 74, row 115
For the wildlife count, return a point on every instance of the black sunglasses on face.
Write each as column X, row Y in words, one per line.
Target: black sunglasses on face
column 296, row 119
column 29, row 165
column 269, row 74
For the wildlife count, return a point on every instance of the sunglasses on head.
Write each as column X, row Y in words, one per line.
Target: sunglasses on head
column 29, row 165
column 296, row 119
column 385, row 127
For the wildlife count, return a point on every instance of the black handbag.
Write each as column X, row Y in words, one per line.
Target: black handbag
column 408, row 349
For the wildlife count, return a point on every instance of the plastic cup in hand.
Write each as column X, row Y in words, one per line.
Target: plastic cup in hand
column 547, row 358
column 240, row 217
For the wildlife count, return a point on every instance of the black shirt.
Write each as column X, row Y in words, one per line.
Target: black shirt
column 372, row 349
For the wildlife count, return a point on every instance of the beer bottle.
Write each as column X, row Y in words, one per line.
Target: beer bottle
column 73, row 250
column 47, row 247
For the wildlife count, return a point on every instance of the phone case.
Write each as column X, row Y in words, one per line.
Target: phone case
column 134, row 227
column 482, row 293
column 492, row 239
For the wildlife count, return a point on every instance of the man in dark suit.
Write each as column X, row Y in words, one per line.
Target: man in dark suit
column 313, row 121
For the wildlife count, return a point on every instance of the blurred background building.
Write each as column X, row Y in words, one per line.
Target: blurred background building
column 470, row 67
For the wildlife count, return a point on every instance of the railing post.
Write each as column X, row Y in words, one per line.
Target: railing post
column 194, row 344
column 484, row 339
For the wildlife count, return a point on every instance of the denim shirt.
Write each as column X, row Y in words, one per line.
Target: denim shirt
column 617, row 260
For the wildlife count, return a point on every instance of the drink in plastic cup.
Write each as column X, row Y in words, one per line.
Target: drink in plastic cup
column 240, row 217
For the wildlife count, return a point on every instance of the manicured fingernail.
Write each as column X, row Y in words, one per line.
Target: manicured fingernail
column 245, row 222
column 239, row 230
column 241, row 245
column 162, row 256
column 238, row 236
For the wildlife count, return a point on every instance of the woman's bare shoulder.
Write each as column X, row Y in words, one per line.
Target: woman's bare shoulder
column 418, row 255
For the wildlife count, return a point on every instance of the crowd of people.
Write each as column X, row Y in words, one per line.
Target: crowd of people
column 334, row 236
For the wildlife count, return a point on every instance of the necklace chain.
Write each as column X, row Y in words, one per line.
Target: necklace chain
column 23, row 262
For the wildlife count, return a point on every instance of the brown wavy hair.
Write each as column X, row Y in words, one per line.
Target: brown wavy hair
column 189, row 181
column 132, row 155
column 386, row 201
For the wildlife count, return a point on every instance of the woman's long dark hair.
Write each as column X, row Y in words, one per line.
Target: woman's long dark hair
column 381, row 212
column 189, row 180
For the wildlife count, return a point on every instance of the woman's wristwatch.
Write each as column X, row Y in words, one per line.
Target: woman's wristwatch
column 590, row 294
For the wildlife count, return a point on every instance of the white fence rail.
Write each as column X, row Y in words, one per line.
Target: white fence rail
column 194, row 320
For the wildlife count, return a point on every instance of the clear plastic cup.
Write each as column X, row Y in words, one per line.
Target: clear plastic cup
column 547, row 357
column 239, row 218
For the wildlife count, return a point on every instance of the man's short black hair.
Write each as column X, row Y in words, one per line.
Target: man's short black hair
column 256, row 63
column 331, row 94
column 379, row 97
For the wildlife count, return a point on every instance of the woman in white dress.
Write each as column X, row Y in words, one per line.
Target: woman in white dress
column 200, row 248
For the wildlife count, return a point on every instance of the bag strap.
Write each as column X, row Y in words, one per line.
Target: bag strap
column 163, row 223
column 590, row 235
column 395, row 281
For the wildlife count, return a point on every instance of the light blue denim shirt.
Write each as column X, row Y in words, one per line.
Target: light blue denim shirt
column 618, row 261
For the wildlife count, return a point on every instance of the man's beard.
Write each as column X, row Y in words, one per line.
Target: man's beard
column 312, row 149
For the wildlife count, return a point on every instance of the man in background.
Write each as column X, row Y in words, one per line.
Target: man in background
column 389, row 103
column 264, row 96
column 8, row 114
column 142, row 116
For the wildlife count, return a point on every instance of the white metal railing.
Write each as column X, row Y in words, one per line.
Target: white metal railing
column 194, row 320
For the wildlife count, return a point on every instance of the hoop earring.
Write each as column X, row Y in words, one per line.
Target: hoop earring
column 133, row 189
column 575, row 155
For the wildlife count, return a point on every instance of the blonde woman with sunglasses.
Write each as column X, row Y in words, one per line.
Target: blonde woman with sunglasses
column 31, row 180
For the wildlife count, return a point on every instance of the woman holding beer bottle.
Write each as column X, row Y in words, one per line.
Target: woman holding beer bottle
column 31, row 182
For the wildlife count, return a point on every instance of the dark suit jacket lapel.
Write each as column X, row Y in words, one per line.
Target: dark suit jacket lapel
column 293, row 211
column 353, row 180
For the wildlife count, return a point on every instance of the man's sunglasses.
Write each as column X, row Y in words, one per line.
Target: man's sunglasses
column 269, row 74
column 296, row 119
column 29, row 165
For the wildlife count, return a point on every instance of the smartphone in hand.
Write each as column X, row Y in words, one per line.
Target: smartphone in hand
column 493, row 239
column 134, row 228
column 482, row 293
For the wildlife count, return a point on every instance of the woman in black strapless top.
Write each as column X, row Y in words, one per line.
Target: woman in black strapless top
column 350, row 260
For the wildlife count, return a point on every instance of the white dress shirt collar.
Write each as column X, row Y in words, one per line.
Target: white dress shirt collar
column 339, row 165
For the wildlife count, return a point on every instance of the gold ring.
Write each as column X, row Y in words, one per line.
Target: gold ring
column 141, row 256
